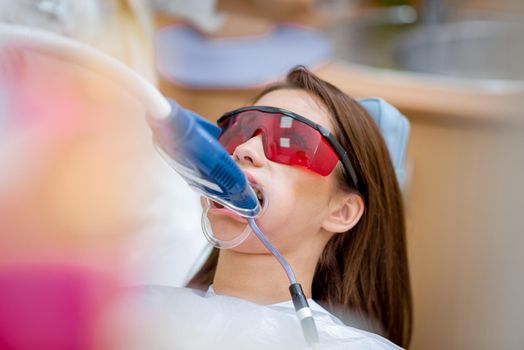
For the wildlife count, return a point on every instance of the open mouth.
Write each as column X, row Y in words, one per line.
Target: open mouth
column 258, row 191
column 216, row 204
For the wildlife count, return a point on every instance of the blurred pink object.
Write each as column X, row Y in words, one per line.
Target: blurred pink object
column 52, row 306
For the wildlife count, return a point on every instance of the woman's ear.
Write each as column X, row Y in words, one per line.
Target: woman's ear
column 344, row 212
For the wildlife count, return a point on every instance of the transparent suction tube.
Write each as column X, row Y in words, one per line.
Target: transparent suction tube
column 298, row 297
column 304, row 314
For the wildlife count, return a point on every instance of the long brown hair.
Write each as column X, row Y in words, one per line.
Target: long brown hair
column 362, row 275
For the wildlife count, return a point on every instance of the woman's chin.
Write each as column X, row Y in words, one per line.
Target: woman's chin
column 225, row 227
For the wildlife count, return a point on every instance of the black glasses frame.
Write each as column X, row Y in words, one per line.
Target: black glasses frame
column 342, row 154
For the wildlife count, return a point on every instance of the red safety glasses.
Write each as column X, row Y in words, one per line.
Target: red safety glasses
column 287, row 138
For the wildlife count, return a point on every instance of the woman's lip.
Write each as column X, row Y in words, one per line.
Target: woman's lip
column 250, row 178
column 256, row 186
column 229, row 213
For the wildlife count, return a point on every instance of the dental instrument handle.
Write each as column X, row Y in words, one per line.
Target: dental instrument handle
column 307, row 322
column 304, row 314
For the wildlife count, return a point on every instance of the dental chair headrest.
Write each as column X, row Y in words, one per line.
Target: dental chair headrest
column 394, row 128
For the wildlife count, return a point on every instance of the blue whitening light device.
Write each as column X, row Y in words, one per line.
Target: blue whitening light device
column 189, row 144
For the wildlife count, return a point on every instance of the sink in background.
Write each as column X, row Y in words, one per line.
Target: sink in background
column 467, row 66
column 470, row 48
column 466, row 49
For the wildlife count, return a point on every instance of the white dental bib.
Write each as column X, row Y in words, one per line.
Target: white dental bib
column 191, row 319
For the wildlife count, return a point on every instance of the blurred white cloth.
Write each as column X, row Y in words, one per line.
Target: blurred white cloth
column 188, row 319
column 79, row 163
column 167, row 247
column 202, row 13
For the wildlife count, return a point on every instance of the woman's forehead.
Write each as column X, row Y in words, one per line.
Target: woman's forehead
column 299, row 102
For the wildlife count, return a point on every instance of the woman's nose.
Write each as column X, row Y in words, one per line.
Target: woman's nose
column 250, row 152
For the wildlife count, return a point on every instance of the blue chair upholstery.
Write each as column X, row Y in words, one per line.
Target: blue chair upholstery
column 395, row 130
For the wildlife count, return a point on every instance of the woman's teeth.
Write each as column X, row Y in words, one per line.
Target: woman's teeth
column 259, row 193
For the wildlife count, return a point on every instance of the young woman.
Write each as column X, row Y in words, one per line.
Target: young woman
column 340, row 224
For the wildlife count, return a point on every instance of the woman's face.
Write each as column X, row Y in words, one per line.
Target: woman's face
column 297, row 198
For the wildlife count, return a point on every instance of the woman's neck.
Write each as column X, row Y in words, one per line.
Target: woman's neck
column 259, row 277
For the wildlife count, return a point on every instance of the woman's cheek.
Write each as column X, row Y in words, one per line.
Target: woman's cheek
column 280, row 206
